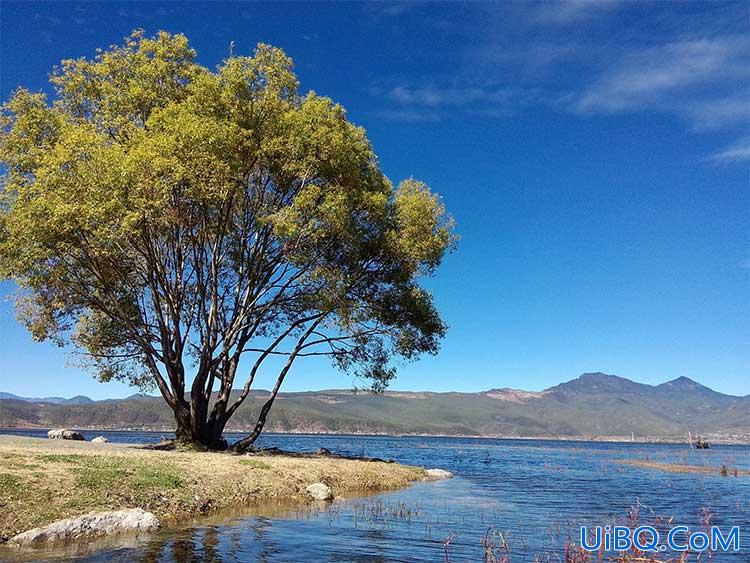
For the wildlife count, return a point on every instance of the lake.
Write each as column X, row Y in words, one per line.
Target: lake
column 522, row 499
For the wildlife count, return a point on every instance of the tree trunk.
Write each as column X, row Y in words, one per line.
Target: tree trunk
column 250, row 439
column 245, row 443
column 197, row 432
column 212, row 436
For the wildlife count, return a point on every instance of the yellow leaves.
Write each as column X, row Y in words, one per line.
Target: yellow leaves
column 322, row 139
column 149, row 165
column 123, row 85
column 196, row 158
column 267, row 74
column 28, row 127
column 424, row 230
column 142, row 133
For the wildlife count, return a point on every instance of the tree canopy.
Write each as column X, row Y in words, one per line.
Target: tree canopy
column 169, row 220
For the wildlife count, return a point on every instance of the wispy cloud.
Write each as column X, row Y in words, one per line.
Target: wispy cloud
column 701, row 80
column 390, row 9
column 564, row 12
column 713, row 114
column 661, row 75
column 409, row 115
column 739, row 151
column 436, row 97
column 430, row 103
column 577, row 57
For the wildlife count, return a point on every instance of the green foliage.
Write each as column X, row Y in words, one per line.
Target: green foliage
column 157, row 211
column 254, row 464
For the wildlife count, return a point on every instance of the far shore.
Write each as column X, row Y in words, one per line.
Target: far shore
column 42, row 481
column 713, row 439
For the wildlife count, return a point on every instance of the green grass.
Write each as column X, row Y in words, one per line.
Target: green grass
column 62, row 458
column 152, row 478
column 102, row 472
column 43, row 482
column 7, row 481
column 254, row 464
column 99, row 477
column 18, row 462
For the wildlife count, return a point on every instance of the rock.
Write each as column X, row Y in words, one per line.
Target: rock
column 437, row 474
column 63, row 434
column 323, row 451
column 100, row 440
column 91, row 525
column 319, row 491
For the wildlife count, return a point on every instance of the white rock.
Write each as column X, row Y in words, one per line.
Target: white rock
column 100, row 440
column 91, row 525
column 63, row 434
column 437, row 474
column 319, row 491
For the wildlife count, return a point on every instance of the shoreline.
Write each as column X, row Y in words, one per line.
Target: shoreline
column 43, row 481
column 666, row 440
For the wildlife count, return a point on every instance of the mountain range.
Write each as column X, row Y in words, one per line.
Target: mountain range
column 77, row 400
column 593, row 406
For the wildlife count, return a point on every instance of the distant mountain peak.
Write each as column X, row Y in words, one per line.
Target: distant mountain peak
column 683, row 380
column 599, row 375
column 685, row 383
column 78, row 400
column 597, row 382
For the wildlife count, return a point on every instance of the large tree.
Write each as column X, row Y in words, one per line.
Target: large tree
column 170, row 220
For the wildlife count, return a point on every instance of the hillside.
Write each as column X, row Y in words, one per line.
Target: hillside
column 594, row 405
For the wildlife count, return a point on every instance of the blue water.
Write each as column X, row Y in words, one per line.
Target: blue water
column 522, row 499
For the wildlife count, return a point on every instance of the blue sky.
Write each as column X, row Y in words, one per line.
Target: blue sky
column 594, row 154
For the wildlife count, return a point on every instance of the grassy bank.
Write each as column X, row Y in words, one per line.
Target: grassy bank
column 724, row 470
column 42, row 481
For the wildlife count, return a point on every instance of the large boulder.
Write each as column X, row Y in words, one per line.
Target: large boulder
column 437, row 474
column 63, row 434
column 99, row 440
column 319, row 491
column 94, row 524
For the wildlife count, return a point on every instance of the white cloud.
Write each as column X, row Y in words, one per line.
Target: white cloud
column 564, row 12
column 666, row 76
column 721, row 112
column 437, row 97
column 570, row 57
column 409, row 115
column 430, row 103
column 739, row 151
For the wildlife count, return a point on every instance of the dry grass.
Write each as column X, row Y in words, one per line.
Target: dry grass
column 42, row 481
column 680, row 468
